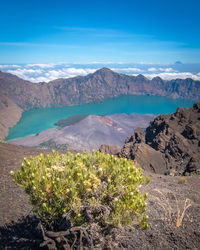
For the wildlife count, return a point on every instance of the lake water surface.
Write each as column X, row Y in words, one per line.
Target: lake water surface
column 37, row 120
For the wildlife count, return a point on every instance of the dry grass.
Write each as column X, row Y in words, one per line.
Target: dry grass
column 182, row 180
column 180, row 215
column 175, row 215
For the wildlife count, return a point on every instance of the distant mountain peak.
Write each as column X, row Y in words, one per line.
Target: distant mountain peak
column 157, row 78
column 103, row 70
column 141, row 77
column 178, row 62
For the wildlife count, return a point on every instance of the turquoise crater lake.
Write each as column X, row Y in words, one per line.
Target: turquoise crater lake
column 37, row 120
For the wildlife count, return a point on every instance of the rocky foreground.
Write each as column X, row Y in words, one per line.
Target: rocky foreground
column 19, row 229
column 170, row 145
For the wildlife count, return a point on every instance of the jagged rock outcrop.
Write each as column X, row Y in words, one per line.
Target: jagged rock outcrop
column 170, row 145
column 143, row 155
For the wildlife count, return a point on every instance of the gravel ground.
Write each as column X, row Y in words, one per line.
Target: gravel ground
column 18, row 226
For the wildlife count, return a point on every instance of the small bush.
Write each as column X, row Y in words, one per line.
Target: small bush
column 85, row 187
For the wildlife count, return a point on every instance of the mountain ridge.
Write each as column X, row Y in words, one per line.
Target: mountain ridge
column 96, row 87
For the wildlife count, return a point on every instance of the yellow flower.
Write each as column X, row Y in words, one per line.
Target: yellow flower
column 44, row 205
column 87, row 183
column 48, row 175
column 60, row 169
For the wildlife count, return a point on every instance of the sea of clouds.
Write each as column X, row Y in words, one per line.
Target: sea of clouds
column 51, row 71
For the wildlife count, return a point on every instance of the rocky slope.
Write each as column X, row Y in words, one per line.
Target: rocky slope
column 170, row 145
column 101, row 85
column 19, row 230
column 88, row 133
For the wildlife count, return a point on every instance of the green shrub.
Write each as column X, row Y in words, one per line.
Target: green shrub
column 88, row 187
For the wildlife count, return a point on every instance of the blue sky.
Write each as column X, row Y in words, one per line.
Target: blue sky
column 54, row 31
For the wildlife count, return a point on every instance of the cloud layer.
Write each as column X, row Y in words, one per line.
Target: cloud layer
column 48, row 72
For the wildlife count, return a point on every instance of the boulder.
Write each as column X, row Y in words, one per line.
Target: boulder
column 111, row 150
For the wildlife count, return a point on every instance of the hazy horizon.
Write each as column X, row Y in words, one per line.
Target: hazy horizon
column 51, row 71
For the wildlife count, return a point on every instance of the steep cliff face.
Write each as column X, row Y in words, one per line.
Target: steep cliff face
column 170, row 145
column 105, row 83
column 25, row 94
column 101, row 85
column 10, row 114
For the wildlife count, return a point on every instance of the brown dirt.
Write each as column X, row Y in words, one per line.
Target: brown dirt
column 18, row 226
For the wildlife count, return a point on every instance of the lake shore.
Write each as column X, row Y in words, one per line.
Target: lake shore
column 37, row 120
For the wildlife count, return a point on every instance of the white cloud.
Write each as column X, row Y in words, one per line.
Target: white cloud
column 67, row 72
column 45, row 75
column 174, row 75
column 79, row 71
column 127, row 70
column 26, row 71
column 26, row 74
column 152, row 69
column 41, row 65
column 9, row 66
column 49, row 72
column 167, row 70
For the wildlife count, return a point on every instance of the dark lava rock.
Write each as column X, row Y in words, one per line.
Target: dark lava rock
column 137, row 137
column 170, row 145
